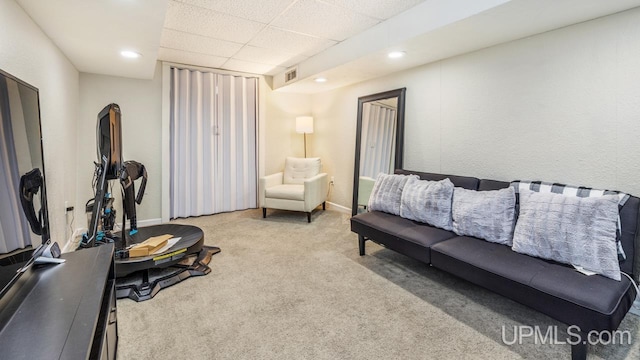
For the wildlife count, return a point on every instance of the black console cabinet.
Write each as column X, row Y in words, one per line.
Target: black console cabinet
column 65, row 311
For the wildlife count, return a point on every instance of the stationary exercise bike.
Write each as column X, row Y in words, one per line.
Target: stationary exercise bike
column 138, row 278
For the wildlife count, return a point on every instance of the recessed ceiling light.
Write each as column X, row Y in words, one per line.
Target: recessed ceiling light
column 396, row 54
column 320, row 79
column 130, row 54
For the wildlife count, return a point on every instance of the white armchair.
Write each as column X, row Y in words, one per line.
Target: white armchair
column 300, row 187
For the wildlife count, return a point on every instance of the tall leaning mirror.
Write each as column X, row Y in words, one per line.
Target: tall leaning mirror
column 379, row 142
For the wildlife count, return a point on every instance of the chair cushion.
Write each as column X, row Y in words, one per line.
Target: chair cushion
column 590, row 302
column 286, row 191
column 297, row 170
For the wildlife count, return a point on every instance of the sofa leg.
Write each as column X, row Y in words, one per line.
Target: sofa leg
column 361, row 241
column 324, row 205
column 264, row 213
column 579, row 350
column 309, row 217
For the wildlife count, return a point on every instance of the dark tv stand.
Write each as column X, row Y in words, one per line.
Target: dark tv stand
column 65, row 311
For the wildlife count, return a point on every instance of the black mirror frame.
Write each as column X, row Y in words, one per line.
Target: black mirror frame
column 400, row 94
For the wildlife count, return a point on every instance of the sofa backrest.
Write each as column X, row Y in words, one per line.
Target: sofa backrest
column 486, row 185
column 630, row 237
column 628, row 223
column 466, row 182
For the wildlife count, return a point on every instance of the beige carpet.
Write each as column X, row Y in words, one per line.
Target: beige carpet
column 285, row 289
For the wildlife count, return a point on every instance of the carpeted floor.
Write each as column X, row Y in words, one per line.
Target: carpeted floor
column 282, row 288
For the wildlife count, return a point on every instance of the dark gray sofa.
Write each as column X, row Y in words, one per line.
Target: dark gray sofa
column 554, row 289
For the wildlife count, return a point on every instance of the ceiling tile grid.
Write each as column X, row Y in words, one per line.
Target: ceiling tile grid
column 179, row 40
column 263, row 11
column 291, row 42
column 323, row 20
column 190, row 58
column 206, row 22
column 379, row 9
column 267, row 34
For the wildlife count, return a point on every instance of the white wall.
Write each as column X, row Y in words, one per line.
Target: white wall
column 280, row 129
column 560, row 106
column 141, row 107
column 27, row 53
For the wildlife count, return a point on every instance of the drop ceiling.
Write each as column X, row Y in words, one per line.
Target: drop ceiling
column 345, row 41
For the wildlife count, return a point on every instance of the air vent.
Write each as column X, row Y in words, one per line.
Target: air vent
column 290, row 75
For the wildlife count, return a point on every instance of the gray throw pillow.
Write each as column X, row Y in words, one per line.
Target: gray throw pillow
column 488, row 215
column 387, row 193
column 570, row 230
column 428, row 202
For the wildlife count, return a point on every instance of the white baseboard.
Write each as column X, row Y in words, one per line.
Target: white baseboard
column 73, row 241
column 149, row 222
column 339, row 208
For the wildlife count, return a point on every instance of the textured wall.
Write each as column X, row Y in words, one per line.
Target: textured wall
column 27, row 53
column 141, row 107
column 279, row 127
column 559, row 106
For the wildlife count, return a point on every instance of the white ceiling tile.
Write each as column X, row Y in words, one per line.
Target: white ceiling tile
column 273, row 38
column 251, row 67
column 268, row 56
column 323, row 20
column 380, row 9
column 262, row 11
column 179, row 40
column 200, row 21
column 190, row 58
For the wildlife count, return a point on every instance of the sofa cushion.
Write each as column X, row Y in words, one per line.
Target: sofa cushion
column 387, row 193
column 286, row 191
column 405, row 236
column 569, row 229
column 297, row 170
column 428, row 202
column 488, row 215
column 590, row 302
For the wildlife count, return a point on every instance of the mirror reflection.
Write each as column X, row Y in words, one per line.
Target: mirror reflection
column 21, row 166
column 379, row 137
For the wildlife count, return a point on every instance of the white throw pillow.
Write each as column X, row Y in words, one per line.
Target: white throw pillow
column 428, row 202
column 488, row 215
column 570, row 230
column 387, row 193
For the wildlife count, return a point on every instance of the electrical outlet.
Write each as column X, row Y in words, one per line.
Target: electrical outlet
column 333, row 180
column 66, row 206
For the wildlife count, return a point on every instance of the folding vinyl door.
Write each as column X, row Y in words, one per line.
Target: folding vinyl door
column 213, row 143
column 378, row 139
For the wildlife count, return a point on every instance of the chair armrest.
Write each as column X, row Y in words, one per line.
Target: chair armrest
column 266, row 182
column 315, row 191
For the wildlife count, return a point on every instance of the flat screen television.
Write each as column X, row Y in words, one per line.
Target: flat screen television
column 22, row 182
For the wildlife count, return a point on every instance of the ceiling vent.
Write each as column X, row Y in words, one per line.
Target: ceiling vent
column 290, row 75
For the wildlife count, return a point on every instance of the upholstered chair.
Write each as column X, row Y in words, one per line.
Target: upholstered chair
column 365, row 187
column 300, row 187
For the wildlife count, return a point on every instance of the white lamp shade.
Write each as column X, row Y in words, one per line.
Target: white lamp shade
column 304, row 124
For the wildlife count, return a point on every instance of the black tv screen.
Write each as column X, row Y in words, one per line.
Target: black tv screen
column 21, row 162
